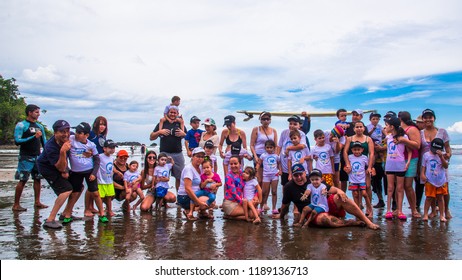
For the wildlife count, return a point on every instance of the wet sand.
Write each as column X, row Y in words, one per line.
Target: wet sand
column 167, row 235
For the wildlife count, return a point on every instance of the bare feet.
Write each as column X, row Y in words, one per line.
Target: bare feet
column 443, row 219
column 416, row 215
column 448, row 214
column 297, row 225
column 18, row 208
column 40, row 205
column 256, row 221
column 88, row 214
column 431, row 215
column 372, row 226
column 110, row 214
column 425, row 218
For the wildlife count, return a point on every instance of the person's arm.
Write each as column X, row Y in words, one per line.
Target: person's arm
column 333, row 190
column 259, row 194
column 448, row 150
column 444, row 163
column 96, row 161
column 423, row 177
column 191, row 194
column 158, row 132
column 346, row 148
column 306, row 126
column 244, row 139
column 289, row 167
column 414, row 140
column 61, row 164
column 253, row 140
column 186, row 145
column 18, row 130
column 222, row 140
column 283, row 212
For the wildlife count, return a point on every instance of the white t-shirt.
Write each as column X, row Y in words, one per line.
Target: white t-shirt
column 191, row 173
column 250, row 189
column 323, row 155
column 163, row 171
column 105, row 172
column 295, row 156
column 78, row 161
column 434, row 170
column 358, row 168
column 270, row 164
column 131, row 176
column 317, row 198
column 284, row 142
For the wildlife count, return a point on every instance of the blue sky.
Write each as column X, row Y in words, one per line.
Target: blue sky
column 79, row 59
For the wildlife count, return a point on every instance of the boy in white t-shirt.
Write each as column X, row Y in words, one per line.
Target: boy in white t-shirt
column 302, row 156
column 433, row 173
column 84, row 162
column 317, row 191
column 375, row 129
column 324, row 157
column 357, row 176
column 105, row 173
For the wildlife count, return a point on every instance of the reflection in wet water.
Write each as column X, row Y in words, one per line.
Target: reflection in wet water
column 167, row 235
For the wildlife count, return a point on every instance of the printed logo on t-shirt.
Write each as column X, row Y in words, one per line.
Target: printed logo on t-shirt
column 297, row 155
column 315, row 198
column 109, row 167
column 164, row 173
column 323, row 157
column 132, row 178
column 433, row 166
column 355, row 167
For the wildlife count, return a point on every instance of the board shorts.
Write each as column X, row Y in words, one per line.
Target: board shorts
column 432, row 191
column 59, row 185
column 316, row 208
column 328, row 178
column 357, row 186
column 106, row 190
column 161, row 192
column 27, row 166
column 184, row 201
column 333, row 209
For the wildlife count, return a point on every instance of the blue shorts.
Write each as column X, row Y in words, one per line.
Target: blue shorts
column 412, row 170
column 27, row 166
column 184, row 201
column 316, row 208
column 161, row 192
column 208, row 194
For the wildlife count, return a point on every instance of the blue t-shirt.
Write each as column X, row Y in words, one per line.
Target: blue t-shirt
column 98, row 140
column 193, row 137
column 48, row 158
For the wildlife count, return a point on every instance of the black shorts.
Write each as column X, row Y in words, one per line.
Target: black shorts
column 58, row 184
column 76, row 180
column 396, row 173
column 284, row 178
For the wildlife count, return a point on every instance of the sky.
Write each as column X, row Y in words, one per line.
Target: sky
column 126, row 59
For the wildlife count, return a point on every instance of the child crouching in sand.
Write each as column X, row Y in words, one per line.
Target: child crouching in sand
column 132, row 179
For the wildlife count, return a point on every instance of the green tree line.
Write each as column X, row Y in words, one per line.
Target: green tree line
column 12, row 110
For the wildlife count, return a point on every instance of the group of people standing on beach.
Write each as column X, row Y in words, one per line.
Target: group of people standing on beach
column 352, row 157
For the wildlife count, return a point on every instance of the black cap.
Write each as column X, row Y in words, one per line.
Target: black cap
column 83, row 127
column 389, row 114
column 229, row 120
column 60, row 125
column 437, row 145
column 194, row 119
column 209, row 144
column 428, row 111
column 375, row 115
column 394, row 121
column 109, row 144
column 31, row 108
column 294, row 118
column 315, row 172
column 356, row 144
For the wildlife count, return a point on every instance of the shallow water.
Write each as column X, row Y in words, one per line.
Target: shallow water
column 167, row 235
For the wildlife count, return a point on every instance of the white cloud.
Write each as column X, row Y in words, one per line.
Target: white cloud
column 456, row 128
column 42, row 74
column 400, row 98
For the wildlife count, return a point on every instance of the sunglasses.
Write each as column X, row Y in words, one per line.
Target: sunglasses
column 152, row 158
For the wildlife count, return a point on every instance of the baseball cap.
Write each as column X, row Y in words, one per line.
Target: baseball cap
column 198, row 150
column 359, row 111
column 194, row 119
column 122, row 153
column 229, row 120
column 356, row 144
column 209, row 144
column 209, row 121
column 389, row 114
column 375, row 115
column 437, row 144
column 31, row 108
column 315, row 172
column 428, row 111
column 298, row 168
column 83, row 127
column 394, row 121
column 294, row 118
column 60, row 125
column 265, row 113
column 109, row 143
column 338, row 131
column 235, row 149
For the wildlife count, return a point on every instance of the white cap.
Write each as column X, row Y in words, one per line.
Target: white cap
column 359, row 111
column 198, row 150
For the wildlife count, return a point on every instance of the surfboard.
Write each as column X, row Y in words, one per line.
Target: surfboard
column 251, row 114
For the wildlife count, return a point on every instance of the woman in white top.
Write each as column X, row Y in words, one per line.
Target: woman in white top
column 209, row 134
column 261, row 134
